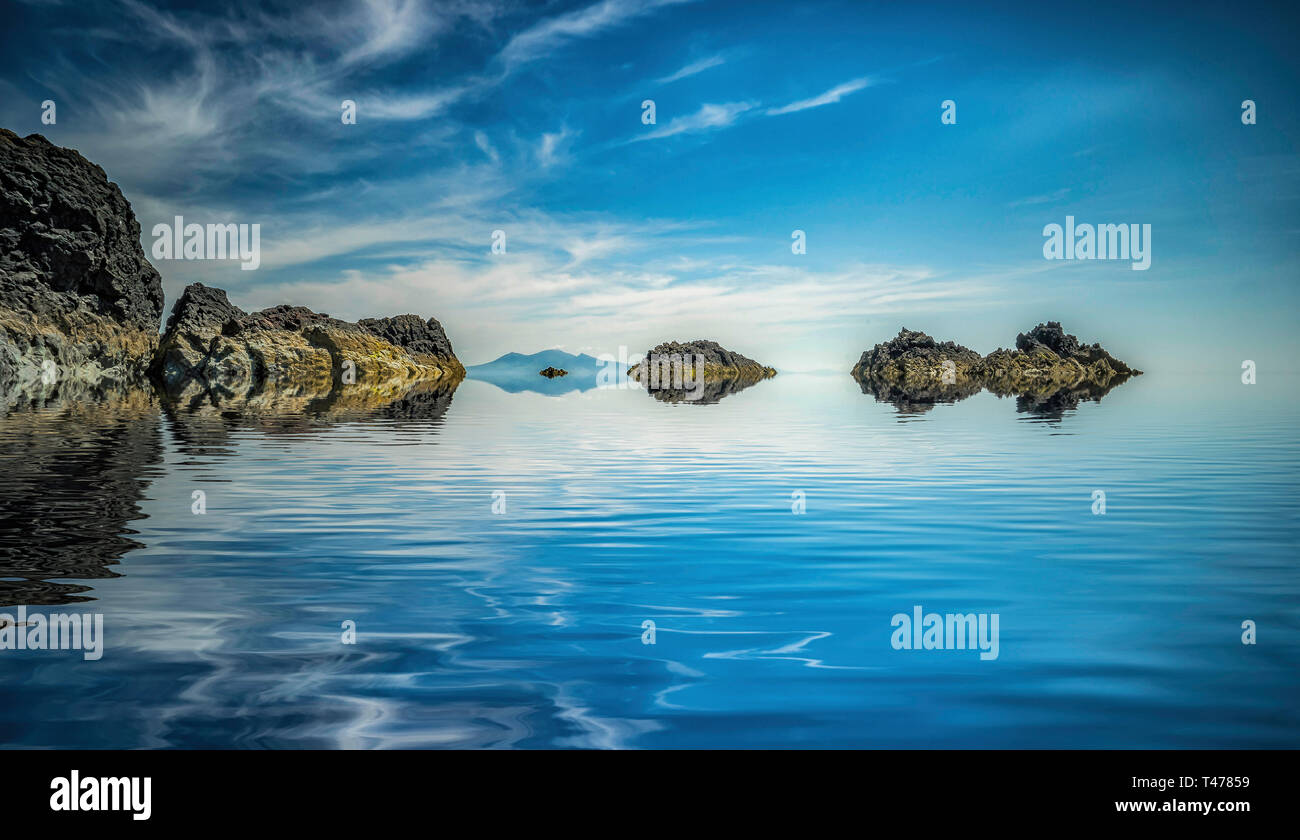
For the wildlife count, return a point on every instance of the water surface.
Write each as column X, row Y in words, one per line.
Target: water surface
column 523, row 628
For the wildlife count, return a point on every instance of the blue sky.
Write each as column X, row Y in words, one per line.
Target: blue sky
column 770, row 117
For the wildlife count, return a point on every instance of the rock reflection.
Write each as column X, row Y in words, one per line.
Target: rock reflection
column 76, row 462
column 75, row 467
column 1053, row 404
column 712, row 390
column 913, row 400
column 1045, row 401
column 207, row 421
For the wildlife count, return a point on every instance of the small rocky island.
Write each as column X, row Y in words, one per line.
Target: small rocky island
column 552, row 372
column 1049, row 371
column 80, row 307
column 700, row 371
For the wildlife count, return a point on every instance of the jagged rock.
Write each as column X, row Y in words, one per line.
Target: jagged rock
column 197, row 319
column 697, row 372
column 914, row 357
column 420, row 337
column 76, row 289
column 718, row 362
column 1048, row 359
column 1050, row 371
column 552, row 372
column 213, row 348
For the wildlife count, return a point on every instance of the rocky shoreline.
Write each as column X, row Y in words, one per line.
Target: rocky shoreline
column 80, row 307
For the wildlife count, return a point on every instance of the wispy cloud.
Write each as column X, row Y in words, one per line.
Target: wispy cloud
column 692, row 69
column 830, row 97
column 552, row 147
column 707, row 118
column 541, row 39
column 485, row 146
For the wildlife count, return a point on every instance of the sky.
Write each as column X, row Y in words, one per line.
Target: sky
column 770, row 118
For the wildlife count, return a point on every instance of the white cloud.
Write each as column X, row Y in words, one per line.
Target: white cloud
column 831, row 96
column 485, row 146
column 539, row 40
column 550, row 150
column 693, row 69
column 708, row 118
column 392, row 27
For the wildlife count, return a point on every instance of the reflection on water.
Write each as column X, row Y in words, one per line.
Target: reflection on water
column 72, row 472
column 1049, row 403
column 913, row 400
column 1055, row 404
column 708, row 392
column 499, row 556
column 515, row 381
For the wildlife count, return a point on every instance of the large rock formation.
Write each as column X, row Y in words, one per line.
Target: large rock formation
column 212, row 349
column 79, row 303
column 1049, row 372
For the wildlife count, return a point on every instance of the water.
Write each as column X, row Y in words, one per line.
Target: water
column 524, row 628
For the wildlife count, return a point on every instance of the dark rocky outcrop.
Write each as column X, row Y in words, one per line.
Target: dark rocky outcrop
column 1046, row 360
column 213, row 349
column 913, row 356
column 1049, row 372
column 717, row 361
column 699, row 372
column 552, row 372
column 79, row 302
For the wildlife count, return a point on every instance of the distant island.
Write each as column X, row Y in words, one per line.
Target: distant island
column 552, row 372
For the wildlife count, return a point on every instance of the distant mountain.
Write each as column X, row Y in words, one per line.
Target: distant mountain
column 516, row 372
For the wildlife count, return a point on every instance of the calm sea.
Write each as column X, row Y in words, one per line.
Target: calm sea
column 499, row 555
